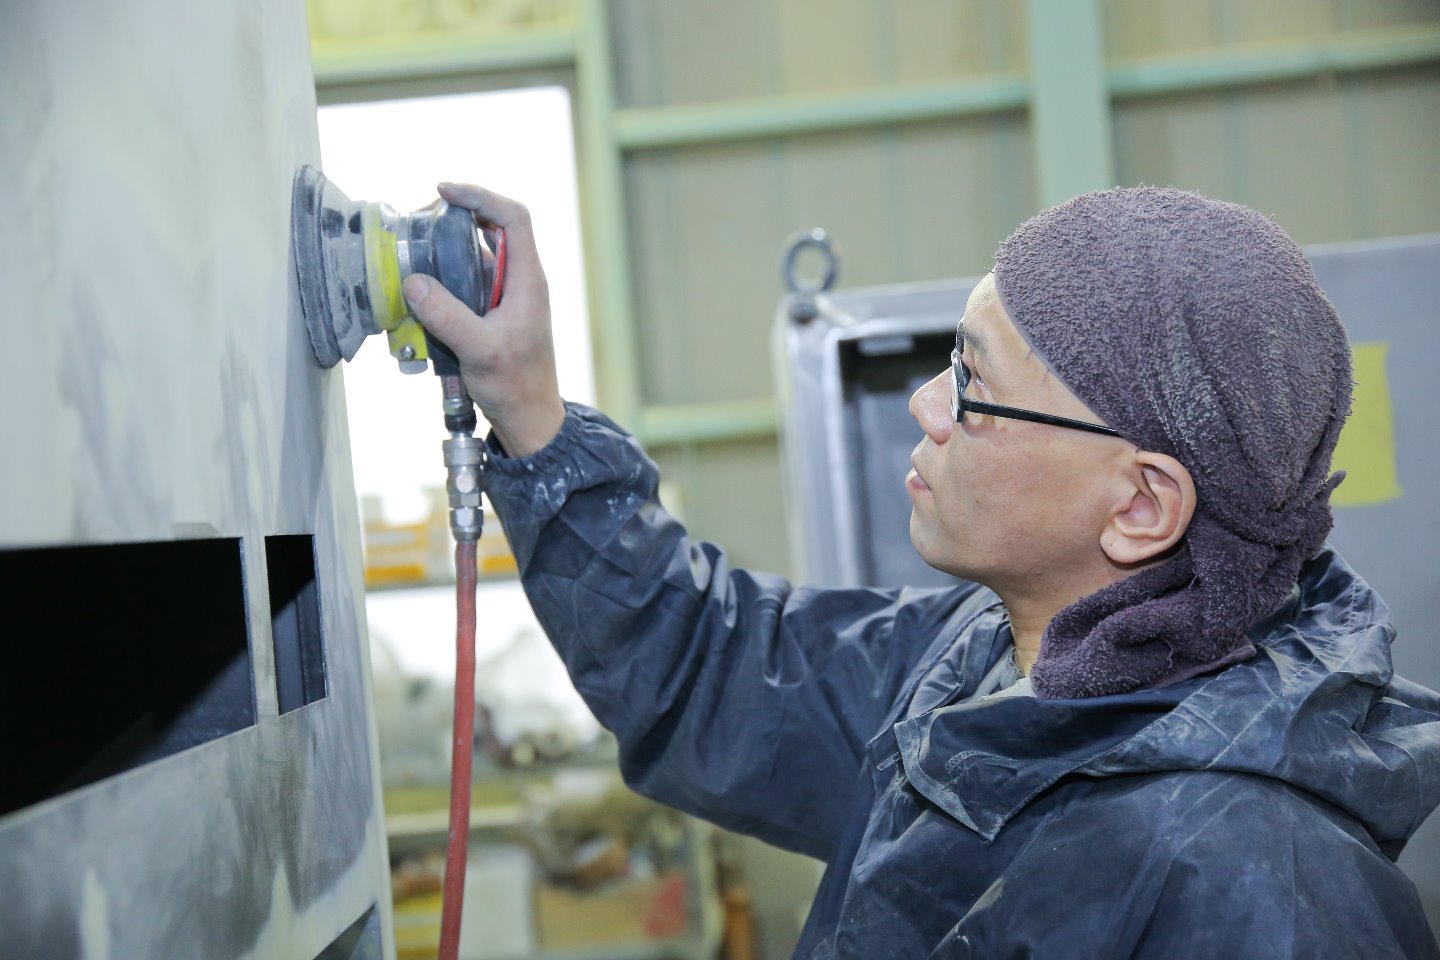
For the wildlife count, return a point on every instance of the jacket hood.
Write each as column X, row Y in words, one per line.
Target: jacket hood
column 1318, row 707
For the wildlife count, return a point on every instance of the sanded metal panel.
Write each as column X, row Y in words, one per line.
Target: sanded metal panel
column 158, row 385
column 845, row 379
column 707, row 223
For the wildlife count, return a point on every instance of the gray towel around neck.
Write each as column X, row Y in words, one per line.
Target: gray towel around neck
column 1197, row 329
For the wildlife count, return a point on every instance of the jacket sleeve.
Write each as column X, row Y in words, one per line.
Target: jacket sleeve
column 733, row 695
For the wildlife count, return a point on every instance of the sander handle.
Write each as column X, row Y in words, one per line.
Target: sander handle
column 459, row 266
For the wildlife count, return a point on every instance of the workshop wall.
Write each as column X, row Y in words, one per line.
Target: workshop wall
column 1332, row 157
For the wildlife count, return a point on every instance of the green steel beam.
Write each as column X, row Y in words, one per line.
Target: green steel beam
column 613, row 341
column 1254, row 64
column 1069, row 106
column 434, row 54
column 659, row 426
column 651, row 127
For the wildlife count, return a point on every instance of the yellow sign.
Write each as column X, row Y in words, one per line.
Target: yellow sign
column 1366, row 451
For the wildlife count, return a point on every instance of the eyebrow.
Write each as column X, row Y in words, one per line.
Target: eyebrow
column 976, row 342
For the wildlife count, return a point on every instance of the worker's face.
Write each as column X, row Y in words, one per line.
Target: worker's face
column 1007, row 503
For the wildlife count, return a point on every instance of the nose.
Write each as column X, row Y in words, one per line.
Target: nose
column 930, row 406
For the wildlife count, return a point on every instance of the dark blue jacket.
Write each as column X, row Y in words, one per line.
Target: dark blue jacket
column 1255, row 812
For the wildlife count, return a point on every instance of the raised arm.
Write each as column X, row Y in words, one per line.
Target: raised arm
column 733, row 696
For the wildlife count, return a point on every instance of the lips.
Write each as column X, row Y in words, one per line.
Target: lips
column 915, row 480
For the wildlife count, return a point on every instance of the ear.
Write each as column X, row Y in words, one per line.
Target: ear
column 1155, row 512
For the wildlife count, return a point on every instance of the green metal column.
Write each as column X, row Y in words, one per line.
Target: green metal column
column 607, row 242
column 1070, row 103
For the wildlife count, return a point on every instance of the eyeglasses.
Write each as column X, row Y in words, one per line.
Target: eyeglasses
column 959, row 403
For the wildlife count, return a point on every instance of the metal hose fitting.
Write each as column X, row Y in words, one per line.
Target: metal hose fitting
column 464, row 467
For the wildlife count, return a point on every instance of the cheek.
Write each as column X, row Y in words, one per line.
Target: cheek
column 1001, row 484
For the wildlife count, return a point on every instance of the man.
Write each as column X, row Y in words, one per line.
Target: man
column 1166, row 726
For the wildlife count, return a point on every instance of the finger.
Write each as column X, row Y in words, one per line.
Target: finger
column 441, row 313
column 494, row 209
column 502, row 212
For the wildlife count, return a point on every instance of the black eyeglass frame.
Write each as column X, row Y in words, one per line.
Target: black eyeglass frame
column 959, row 403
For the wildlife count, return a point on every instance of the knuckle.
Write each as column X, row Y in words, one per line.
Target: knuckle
column 519, row 214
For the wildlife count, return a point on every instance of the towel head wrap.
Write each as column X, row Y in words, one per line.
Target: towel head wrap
column 1196, row 329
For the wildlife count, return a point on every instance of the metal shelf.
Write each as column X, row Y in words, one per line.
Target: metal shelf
column 414, row 826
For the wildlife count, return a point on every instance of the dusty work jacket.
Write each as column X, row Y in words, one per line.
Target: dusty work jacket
column 1254, row 812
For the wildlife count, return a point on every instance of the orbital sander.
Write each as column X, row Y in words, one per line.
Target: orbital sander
column 351, row 258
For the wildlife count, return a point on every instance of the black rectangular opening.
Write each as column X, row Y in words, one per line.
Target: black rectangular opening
column 359, row 941
column 119, row 655
column 295, row 620
column 878, row 376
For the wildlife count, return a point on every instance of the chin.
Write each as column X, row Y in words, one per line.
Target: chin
column 926, row 542
column 923, row 542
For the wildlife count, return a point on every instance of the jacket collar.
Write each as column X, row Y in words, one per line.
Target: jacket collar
column 1323, row 664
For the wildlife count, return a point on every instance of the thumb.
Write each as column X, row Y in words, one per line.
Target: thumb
column 439, row 311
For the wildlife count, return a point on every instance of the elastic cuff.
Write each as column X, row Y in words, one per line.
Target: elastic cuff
column 559, row 447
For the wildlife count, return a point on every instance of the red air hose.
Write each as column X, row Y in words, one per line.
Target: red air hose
column 461, row 750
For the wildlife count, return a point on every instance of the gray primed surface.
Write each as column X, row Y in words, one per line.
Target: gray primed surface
column 847, row 438
column 158, row 384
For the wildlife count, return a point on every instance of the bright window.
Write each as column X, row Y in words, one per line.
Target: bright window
column 518, row 143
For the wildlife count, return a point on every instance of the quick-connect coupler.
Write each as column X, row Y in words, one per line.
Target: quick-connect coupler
column 464, row 468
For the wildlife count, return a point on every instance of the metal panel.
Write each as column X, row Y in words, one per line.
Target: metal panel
column 158, row 385
column 845, row 379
